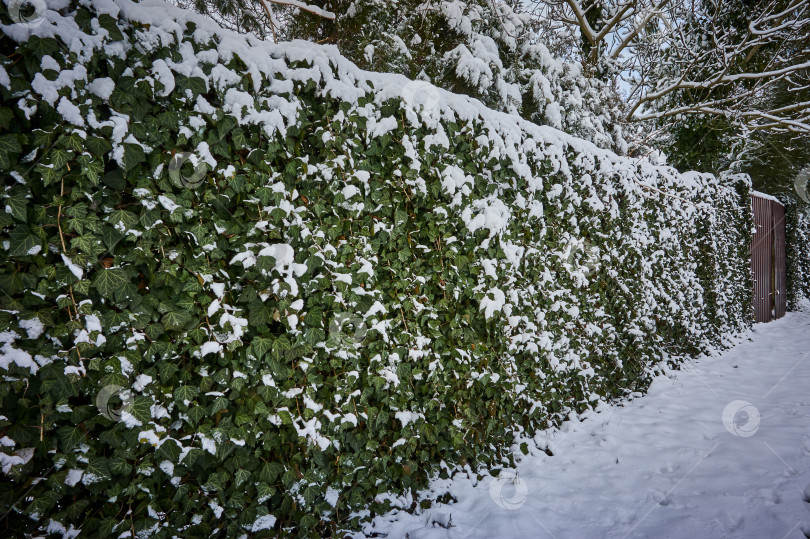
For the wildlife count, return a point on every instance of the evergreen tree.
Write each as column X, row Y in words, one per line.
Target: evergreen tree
column 731, row 125
column 485, row 49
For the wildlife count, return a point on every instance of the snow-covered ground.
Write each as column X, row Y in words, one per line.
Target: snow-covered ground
column 718, row 449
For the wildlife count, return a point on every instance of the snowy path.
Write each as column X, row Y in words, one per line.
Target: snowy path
column 664, row 465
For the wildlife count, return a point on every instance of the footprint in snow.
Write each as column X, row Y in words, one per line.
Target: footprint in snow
column 806, row 498
column 661, row 497
column 669, row 468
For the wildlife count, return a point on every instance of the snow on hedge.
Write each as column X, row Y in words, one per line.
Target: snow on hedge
column 277, row 293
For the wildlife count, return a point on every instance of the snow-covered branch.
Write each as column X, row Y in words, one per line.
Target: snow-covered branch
column 633, row 33
column 697, row 56
column 584, row 26
column 315, row 10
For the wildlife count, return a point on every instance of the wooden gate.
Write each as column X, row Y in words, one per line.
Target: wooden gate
column 768, row 258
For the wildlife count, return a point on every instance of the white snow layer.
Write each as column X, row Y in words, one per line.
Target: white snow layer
column 766, row 196
column 336, row 75
column 719, row 449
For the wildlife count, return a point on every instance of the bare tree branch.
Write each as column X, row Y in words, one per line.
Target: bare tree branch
column 666, row 62
column 315, row 10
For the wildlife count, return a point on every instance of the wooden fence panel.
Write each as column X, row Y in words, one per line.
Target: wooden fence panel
column 768, row 266
column 761, row 258
column 779, row 265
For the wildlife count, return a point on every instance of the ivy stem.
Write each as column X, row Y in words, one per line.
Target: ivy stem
column 403, row 317
column 131, row 521
column 64, row 250
column 64, row 247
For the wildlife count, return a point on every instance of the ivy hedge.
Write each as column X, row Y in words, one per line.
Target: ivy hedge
column 797, row 251
column 341, row 293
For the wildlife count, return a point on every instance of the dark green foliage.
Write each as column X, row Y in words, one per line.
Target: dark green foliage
column 740, row 125
column 211, row 320
column 700, row 143
column 797, row 251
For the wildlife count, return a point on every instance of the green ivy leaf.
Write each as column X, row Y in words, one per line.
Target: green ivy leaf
column 92, row 171
column 215, row 482
column 98, row 466
column 195, row 84
column 141, row 409
column 49, row 175
column 260, row 346
column 176, row 320
column 19, row 208
column 6, row 116
column 186, row 302
column 41, row 46
column 133, row 156
column 107, row 281
column 241, row 476
column 10, row 144
column 23, row 242
column 123, row 217
column 98, row 146
column 85, row 243
column 264, row 492
column 169, row 450
column 110, row 237
column 196, row 414
column 185, row 393
column 6, row 161
column 270, row 472
column 107, row 526
column 238, row 138
column 119, row 466
column 108, row 23
column 59, row 158
column 167, row 370
column 74, row 142
column 280, row 345
column 70, row 436
column 114, row 319
column 220, row 403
